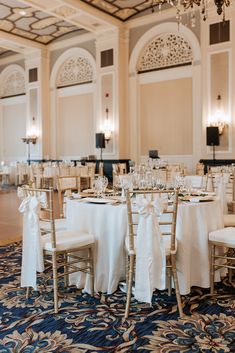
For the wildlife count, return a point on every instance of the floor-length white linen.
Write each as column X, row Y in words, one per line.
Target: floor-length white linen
column 32, row 251
column 194, row 222
column 150, row 250
column 109, row 225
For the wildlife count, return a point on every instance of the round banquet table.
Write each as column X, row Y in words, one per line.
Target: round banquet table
column 108, row 224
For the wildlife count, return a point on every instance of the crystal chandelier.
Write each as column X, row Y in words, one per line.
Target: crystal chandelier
column 186, row 4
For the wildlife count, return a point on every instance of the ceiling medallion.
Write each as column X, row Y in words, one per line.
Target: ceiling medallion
column 186, row 4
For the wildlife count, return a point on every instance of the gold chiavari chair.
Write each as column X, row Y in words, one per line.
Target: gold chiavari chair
column 167, row 224
column 61, row 249
column 65, row 186
column 222, row 252
column 199, row 169
column 5, row 175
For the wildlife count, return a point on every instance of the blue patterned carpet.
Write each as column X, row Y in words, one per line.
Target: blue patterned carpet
column 86, row 324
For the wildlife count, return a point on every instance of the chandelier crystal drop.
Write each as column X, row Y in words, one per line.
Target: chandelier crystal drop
column 187, row 4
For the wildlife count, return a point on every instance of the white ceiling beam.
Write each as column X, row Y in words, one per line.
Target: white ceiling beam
column 94, row 12
column 18, row 44
column 77, row 13
column 69, row 42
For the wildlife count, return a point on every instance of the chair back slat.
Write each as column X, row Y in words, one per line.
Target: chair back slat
column 46, row 210
column 167, row 219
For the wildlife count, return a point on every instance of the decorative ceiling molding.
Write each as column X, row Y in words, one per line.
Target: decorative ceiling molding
column 27, row 22
column 123, row 9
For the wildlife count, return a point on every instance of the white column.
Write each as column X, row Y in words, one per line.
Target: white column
column 134, row 112
column 1, row 134
column 112, row 92
column 38, row 100
column 197, row 115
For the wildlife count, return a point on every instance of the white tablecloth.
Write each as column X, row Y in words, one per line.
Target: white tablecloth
column 194, row 222
column 108, row 223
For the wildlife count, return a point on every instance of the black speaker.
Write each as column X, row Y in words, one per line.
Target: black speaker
column 99, row 140
column 212, row 136
column 153, row 154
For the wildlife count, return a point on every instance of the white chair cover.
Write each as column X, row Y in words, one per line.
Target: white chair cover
column 32, row 252
column 150, row 250
column 221, row 181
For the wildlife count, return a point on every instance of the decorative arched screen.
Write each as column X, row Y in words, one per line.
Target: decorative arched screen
column 166, row 51
column 74, row 71
column 13, row 83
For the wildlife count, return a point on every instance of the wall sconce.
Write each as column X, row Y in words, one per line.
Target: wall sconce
column 218, row 119
column 29, row 139
column 106, row 127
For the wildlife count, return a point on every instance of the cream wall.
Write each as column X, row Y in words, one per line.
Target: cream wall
column 55, row 54
column 75, row 126
column 13, row 129
column 166, row 117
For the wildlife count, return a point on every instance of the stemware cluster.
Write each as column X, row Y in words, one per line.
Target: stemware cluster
column 100, row 185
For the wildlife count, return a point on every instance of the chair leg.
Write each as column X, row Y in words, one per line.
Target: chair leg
column 65, row 271
column 91, row 274
column 168, row 278
column 212, row 270
column 176, row 283
column 231, row 253
column 129, row 286
column 55, row 281
column 27, row 292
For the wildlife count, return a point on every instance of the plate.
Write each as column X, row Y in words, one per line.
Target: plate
column 88, row 191
column 75, row 196
column 196, row 199
column 100, row 201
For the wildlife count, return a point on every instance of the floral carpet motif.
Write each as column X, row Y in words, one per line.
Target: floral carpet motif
column 95, row 324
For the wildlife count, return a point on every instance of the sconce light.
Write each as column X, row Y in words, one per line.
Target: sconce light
column 107, row 130
column 218, row 119
column 29, row 139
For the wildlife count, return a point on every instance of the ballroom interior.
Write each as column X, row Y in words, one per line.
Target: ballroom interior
column 112, row 225
column 150, row 76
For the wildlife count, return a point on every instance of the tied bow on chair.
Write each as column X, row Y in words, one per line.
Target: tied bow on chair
column 32, row 253
column 150, row 251
column 221, row 181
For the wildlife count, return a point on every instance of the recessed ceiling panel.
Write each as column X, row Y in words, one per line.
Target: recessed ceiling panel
column 31, row 23
column 124, row 9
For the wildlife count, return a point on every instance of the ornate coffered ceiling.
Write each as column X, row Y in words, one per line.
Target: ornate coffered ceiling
column 28, row 22
column 43, row 21
column 123, row 9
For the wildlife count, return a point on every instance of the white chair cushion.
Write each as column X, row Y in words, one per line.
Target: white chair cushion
column 67, row 240
column 229, row 220
column 60, row 224
column 225, row 235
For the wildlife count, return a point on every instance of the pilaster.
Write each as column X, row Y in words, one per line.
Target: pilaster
column 37, row 96
column 112, row 102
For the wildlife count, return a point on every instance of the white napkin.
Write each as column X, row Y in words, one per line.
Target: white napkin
column 221, row 182
column 150, row 251
column 20, row 192
column 32, row 252
column 194, row 199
